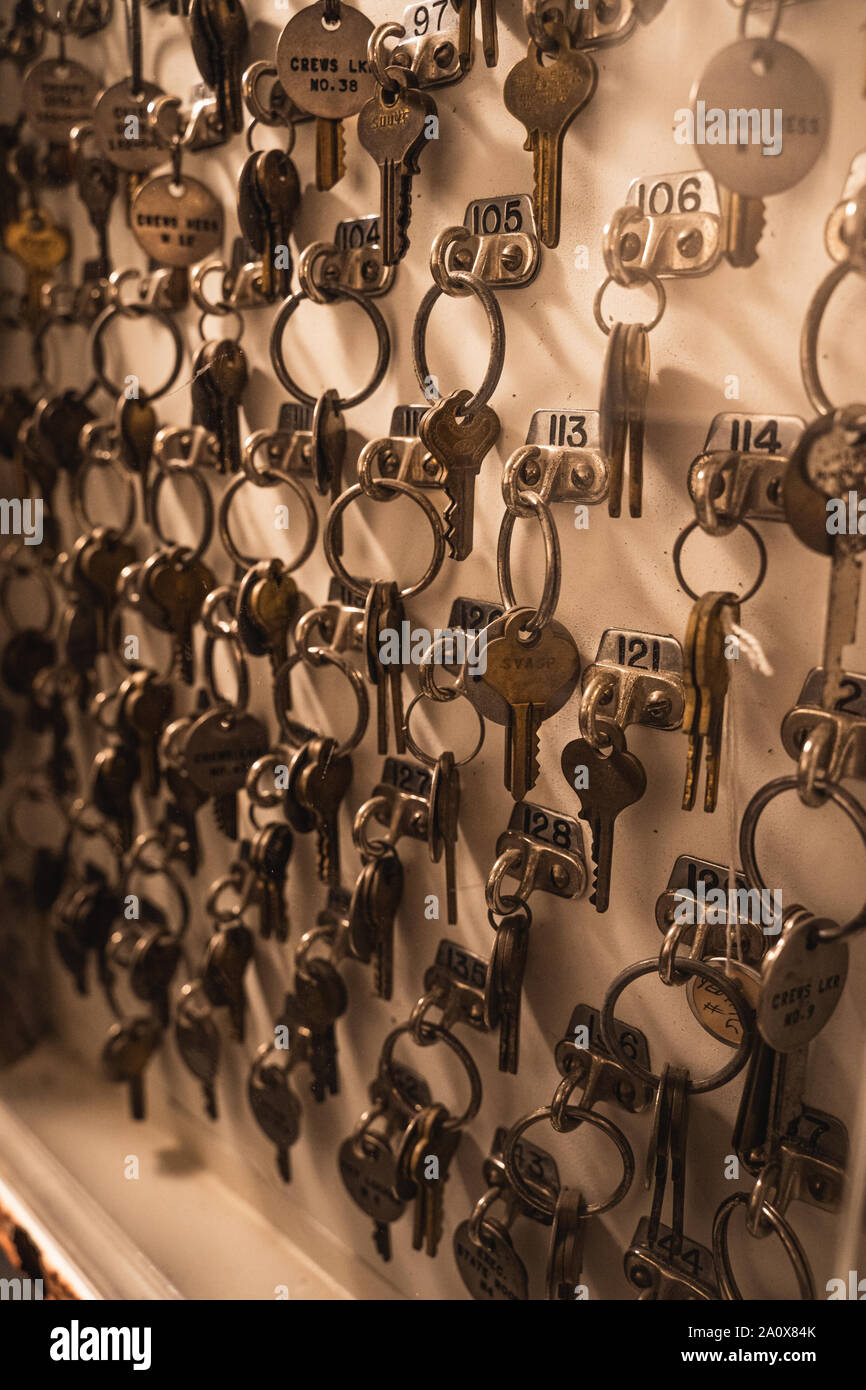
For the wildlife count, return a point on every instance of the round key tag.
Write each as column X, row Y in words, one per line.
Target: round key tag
column 369, row 1176
column 492, row 1272
column 802, row 979
column 323, row 66
column 176, row 222
column 760, row 117
column 121, row 127
column 57, row 95
column 713, row 1009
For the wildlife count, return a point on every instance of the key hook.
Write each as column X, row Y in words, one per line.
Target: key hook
column 809, row 337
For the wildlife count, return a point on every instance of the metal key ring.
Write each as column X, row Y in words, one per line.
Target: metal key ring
column 480, row 1210
column 428, row 759
column 764, row 1193
column 366, row 814
column 599, row 686
column 496, row 360
column 133, row 310
column 645, row 277
column 688, row 967
column 590, row 1117
column 533, row 11
column 552, row 567
column 774, row 23
column 809, row 338
column 793, row 1249
column 622, row 275
column 241, row 670
column 268, row 762
column 214, row 625
column 497, row 901
column 241, row 880
column 749, row 824
column 678, row 569
column 812, row 765
column 77, row 497
column 361, row 587
column 314, row 252
column 383, row 342
column 161, row 477
column 436, row 1033
column 442, row 276
column 180, row 894
column 268, row 477
column 297, row 734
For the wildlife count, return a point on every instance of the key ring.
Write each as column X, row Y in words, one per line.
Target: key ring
column 774, row 22
column 793, row 1248
column 677, row 560
column 240, row 879
column 383, row 342
column 575, row 1117
column 97, row 349
column 644, row 277
column 361, row 587
column 552, row 568
column 77, row 498
column 307, row 262
column 442, row 276
column 748, row 828
column 596, row 692
column 497, row 901
column 622, row 275
column 686, row 966
column 435, row 1033
column 811, row 765
column 298, row 734
column 479, row 1212
column 268, row 477
column 241, row 670
column 213, row 624
column 496, row 360
column 427, row 759
column 809, row 337
column 267, row 763
column 164, row 472
column 534, row 12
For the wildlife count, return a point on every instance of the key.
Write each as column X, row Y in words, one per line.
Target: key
column 766, row 76
column 219, row 35
column 98, row 561
column 275, row 1107
column 442, row 821
column 227, row 955
column 567, row 1240
column 60, row 420
column 384, row 610
column 278, row 193
column 372, row 914
column 613, row 783
column 198, row 1041
column 622, row 408
column 828, row 467
column 322, row 785
column 429, row 1168
column 706, row 675
column 183, row 802
column 96, row 180
column 270, row 852
column 178, row 587
column 137, row 425
column 267, row 605
column 460, row 443
column 145, row 708
column 126, row 1052
column 545, row 98
column 152, row 967
column 322, row 998
column 527, row 674
column 507, row 967
column 226, row 380
column 40, row 245
column 330, row 153
column 489, row 32
column 217, row 751
column 115, row 772
column 368, row 1170
column 393, row 127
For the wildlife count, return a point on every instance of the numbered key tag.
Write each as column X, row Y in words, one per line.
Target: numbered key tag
column 582, row 1051
column 697, row 893
column 544, row 851
column 662, row 1274
column 740, row 472
column 431, row 48
column 713, row 1007
column 537, row 1168
column 400, row 801
column 177, row 221
column 802, row 978
column 471, row 616
column 562, row 460
column 355, row 258
column 502, row 246
column 680, row 231
column 462, row 977
column 401, row 455
column 58, row 94
column 490, row 1267
column 828, row 744
column 636, row 678
column 845, row 232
